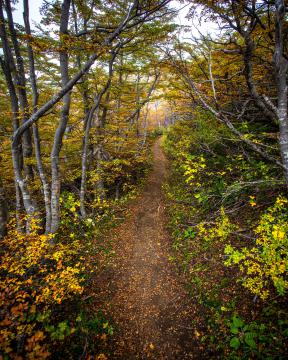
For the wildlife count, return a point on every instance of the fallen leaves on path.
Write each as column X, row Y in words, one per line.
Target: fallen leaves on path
column 141, row 289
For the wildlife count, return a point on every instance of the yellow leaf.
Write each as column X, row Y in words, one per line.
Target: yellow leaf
column 151, row 346
column 101, row 357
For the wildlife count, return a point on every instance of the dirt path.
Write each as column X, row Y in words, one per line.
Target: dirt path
column 143, row 292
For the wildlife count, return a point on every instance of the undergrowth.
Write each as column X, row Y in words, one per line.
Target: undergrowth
column 228, row 218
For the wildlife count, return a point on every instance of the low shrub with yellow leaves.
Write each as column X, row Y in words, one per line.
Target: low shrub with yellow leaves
column 266, row 262
column 220, row 229
column 36, row 276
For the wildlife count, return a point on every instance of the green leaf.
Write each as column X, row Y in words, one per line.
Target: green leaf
column 237, row 322
column 249, row 339
column 235, row 343
column 105, row 325
column 234, row 329
column 63, row 325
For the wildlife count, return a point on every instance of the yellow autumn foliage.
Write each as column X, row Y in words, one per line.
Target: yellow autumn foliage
column 36, row 275
column 265, row 263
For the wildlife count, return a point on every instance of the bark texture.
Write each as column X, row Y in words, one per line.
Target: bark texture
column 22, row 95
column 36, row 136
column 60, row 131
column 281, row 66
column 3, row 212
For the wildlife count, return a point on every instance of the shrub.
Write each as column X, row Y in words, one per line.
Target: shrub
column 265, row 263
column 36, row 277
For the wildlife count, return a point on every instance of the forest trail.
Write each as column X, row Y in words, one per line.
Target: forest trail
column 142, row 290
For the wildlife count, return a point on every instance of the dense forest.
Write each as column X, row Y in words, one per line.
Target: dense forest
column 143, row 179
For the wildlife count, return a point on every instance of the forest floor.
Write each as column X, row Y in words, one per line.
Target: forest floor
column 141, row 289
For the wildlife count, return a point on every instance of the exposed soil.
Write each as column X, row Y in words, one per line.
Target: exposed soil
column 141, row 289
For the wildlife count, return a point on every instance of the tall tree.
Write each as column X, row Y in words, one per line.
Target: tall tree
column 58, row 138
column 281, row 67
column 35, row 96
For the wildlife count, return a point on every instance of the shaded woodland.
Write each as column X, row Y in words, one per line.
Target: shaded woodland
column 85, row 93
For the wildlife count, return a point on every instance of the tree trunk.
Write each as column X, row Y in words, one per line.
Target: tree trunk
column 281, row 66
column 100, row 183
column 105, row 108
column 85, row 158
column 43, row 178
column 9, row 68
column 21, row 86
column 95, row 108
column 248, row 72
column 18, row 208
column 40, row 167
column 84, row 86
column 145, row 131
column 3, row 212
column 137, row 116
column 27, row 201
column 58, row 138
